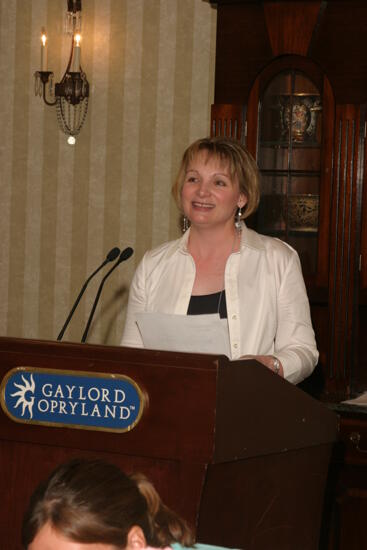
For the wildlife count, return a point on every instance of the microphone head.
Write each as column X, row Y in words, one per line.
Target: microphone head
column 112, row 255
column 126, row 253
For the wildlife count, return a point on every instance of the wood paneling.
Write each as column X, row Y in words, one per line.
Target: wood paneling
column 227, row 120
column 249, row 37
column 343, row 259
column 363, row 206
column 284, row 22
column 240, row 30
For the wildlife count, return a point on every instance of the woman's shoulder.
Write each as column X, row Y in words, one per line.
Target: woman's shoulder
column 270, row 245
column 158, row 257
column 165, row 249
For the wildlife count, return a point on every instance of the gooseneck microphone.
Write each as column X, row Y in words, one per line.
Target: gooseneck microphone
column 125, row 255
column 112, row 255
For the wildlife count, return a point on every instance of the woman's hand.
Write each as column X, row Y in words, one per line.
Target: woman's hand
column 268, row 361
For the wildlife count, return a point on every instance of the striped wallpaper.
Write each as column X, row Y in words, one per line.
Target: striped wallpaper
column 150, row 64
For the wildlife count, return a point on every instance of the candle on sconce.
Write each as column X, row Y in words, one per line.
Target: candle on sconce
column 43, row 52
column 76, row 58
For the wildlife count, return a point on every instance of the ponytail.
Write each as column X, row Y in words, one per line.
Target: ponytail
column 166, row 527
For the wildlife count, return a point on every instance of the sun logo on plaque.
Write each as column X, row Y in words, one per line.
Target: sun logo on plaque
column 25, row 399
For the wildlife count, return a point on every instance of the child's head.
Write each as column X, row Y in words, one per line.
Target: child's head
column 93, row 502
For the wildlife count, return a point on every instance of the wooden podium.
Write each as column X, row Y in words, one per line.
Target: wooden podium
column 239, row 452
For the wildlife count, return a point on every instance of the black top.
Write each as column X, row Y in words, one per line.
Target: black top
column 208, row 303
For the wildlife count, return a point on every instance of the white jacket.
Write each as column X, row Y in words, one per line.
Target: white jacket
column 267, row 305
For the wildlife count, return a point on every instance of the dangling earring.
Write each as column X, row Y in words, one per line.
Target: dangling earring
column 185, row 224
column 237, row 220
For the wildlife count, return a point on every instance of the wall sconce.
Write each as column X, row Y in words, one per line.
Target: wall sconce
column 71, row 94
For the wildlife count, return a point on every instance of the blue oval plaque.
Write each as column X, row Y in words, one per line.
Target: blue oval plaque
column 94, row 401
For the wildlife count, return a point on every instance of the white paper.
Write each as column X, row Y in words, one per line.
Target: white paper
column 185, row 333
column 361, row 400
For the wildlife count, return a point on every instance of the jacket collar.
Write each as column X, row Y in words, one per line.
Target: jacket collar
column 249, row 238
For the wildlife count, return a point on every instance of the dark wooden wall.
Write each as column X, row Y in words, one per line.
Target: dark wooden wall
column 332, row 33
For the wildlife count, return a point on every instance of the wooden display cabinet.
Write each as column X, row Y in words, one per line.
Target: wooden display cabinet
column 288, row 153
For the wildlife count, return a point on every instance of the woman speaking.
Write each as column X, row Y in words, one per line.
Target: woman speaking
column 254, row 282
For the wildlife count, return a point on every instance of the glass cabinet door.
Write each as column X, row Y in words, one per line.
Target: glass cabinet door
column 288, row 155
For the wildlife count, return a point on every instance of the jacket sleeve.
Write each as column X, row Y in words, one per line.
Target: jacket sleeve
column 295, row 344
column 137, row 302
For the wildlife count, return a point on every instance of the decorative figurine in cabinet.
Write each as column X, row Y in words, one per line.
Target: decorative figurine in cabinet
column 288, row 155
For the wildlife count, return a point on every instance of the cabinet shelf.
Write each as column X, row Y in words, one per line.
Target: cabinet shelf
column 294, row 172
column 304, row 233
column 286, row 145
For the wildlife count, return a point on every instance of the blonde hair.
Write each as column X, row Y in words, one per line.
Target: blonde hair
column 240, row 163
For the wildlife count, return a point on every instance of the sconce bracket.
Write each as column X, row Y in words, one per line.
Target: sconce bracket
column 44, row 76
column 74, row 87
